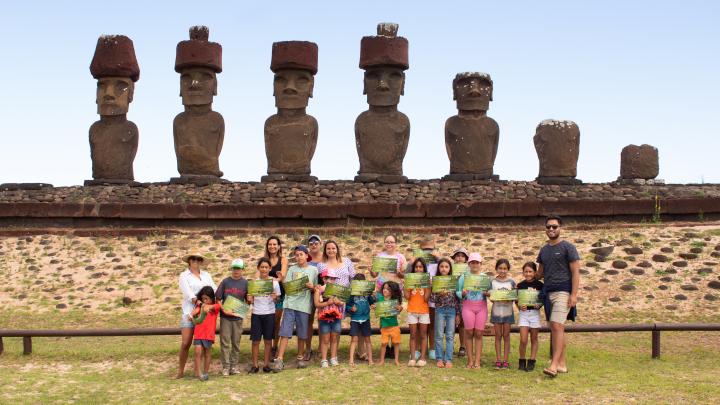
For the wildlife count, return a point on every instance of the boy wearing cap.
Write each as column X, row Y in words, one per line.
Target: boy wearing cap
column 231, row 327
column 315, row 257
column 297, row 308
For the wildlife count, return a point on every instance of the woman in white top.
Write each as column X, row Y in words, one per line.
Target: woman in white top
column 191, row 281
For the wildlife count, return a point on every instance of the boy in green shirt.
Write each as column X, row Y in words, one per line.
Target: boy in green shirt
column 389, row 327
column 297, row 308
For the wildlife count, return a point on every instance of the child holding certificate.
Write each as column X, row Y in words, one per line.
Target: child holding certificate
column 358, row 306
column 389, row 327
column 529, row 319
column 231, row 326
column 205, row 317
column 262, row 320
column 330, row 312
column 474, row 308
column 446, row 310
column 297, row 307
column 418, row 314
column 502, row 315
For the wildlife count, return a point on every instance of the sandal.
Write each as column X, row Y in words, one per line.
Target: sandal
column 363, row 357
column 308, row 355
column 550, row 373
column 440, row 364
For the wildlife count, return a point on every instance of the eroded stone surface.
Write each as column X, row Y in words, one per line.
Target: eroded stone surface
column 639, row 162
column 557, row 144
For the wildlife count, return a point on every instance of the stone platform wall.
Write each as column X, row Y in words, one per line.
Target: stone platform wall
column 343, row 203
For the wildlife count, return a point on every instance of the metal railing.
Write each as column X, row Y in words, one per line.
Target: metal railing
column 653, row 328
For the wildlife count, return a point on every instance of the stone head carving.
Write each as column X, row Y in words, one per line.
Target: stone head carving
column 115, row 67
column 114, row 95
column 293, row 88
column 472, row 91
column 384, row 85
column 384, row 58
column 198, row 61
column 295, row 64
column 198, row 85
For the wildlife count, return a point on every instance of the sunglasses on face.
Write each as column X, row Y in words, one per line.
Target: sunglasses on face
column 552, row 227
column 314, row 243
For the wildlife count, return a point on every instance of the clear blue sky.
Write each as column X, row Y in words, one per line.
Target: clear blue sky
column 625, row 71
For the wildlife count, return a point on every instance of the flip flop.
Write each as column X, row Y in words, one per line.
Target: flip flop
column 550, row 373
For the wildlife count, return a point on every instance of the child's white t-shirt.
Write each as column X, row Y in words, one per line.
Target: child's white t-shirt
column 265, row 305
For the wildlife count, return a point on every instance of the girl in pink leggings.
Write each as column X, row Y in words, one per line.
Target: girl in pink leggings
column 474, row 313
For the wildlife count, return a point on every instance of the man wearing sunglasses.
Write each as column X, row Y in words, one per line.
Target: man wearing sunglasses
column 559, row 265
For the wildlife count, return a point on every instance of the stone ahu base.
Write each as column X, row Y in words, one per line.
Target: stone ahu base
column 639, row 182
column 198, row 180
column 298, row 178
column 469, row 177
column 23, row 186
column 558, row 180
column 380, row 178
column 111, row 182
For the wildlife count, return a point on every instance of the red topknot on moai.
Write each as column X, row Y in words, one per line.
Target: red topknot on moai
column 113, row 139
column 199, row 131
column 382, row 132
column 291, row 134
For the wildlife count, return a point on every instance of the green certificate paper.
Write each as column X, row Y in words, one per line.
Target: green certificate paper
column 297, row 286
column 384, row 309
column 444, row 283
column 236, row 306
column 427, row 257
column 362, row 287
column 384, row 264
column 530, row 298
column 336, row 290
column 476, row 282
column 417, row 280
column 503, row 295
column 460, row 268
column 260, row 288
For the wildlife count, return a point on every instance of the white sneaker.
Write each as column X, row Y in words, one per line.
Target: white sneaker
column 411, row 363
column 324, row 364
column 225, row 372
column 334, row 362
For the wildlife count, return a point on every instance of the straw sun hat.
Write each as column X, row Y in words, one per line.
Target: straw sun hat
column 198, row 255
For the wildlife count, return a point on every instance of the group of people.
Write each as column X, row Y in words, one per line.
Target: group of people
column 433, row 317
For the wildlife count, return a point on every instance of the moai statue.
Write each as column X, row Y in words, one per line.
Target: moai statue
column 382, row 133
column 113, row 139
column 557, row 144
column 639, row 165
column 291, row 134
column 471, row 137
column 199, row 131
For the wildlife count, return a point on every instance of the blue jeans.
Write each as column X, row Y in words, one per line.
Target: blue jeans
column 444, row 325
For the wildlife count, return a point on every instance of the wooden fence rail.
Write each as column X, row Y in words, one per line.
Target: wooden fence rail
column 654, row 328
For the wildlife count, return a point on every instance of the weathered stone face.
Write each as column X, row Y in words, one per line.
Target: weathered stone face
column 557, row 144
column 384, row 85
column 472, row 93
column 114, row 95
column 639, row 162
column 292, row 88
column 198, row 85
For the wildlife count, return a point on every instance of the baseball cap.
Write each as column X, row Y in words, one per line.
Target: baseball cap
column 315, row 237
column 461, row 250
column 302, row 248
column 332, row 273
column 237, row 264
column 475, row 257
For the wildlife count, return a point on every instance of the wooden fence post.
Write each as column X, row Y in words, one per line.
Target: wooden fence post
column 655, row 344
column 2, row 347
column 27, row 345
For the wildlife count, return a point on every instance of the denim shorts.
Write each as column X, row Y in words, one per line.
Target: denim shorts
column 203, row 342
column 329, row 326
column 294, row 319
column 186, row 323
column 360, row 328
